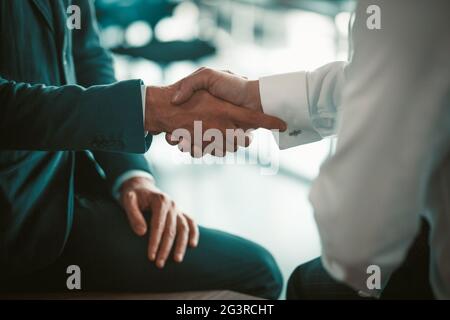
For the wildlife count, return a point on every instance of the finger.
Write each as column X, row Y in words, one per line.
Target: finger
column 157, row 225
column 187, row 86
column 182, row 238
column 172, row 140
column 168, row 239
column 134, row 214
column 269, row 122
column 250, row 119
column 194, row 233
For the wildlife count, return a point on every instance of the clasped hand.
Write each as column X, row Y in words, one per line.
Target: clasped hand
column 208, row 112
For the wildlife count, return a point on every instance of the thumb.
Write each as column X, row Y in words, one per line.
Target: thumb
column 183, row 94
column 134, row 214
column 187, row 87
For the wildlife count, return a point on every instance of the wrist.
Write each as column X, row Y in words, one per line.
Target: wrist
column 253, row 95
column 157, row 108
column 136, row 182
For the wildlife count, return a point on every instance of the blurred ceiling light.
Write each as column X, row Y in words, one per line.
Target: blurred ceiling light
column 187, row 9
column 112, row 36
column 138, row 34
column 183, row 25
column 148, row 71
column 342, row 20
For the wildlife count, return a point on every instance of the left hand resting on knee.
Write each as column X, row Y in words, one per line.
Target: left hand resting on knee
column 169, row 227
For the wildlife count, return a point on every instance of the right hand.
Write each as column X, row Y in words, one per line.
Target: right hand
column 222, row 84
column 163, row 116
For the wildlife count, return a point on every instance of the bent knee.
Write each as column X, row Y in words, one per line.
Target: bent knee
column 269, row 274
column 294, row 284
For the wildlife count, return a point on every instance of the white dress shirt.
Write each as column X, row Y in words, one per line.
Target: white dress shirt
column 390, row 108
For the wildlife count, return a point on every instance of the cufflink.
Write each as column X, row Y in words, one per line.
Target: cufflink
column 295, row 133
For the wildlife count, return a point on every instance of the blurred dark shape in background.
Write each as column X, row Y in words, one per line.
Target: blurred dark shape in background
column 124, row 12
column 144, row 15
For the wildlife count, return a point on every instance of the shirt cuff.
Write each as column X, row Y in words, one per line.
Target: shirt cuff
column 286, row 96
column 143, row 91
column 128, row 175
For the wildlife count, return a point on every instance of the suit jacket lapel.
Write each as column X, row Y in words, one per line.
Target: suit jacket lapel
column 59, row 9
column 44, row 9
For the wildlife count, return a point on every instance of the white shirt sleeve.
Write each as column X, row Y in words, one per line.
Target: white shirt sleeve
column 392, row 133
column 128, row 175
column 389, row 108
column 307, row 101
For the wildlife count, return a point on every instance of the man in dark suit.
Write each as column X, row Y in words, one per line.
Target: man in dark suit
column 58, row 98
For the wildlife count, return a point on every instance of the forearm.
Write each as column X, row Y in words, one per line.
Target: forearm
column 39, row 117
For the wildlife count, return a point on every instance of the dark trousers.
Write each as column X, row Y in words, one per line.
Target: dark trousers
column 113, row 259
column 409, row 281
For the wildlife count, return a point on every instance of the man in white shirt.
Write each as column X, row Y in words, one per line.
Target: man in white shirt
column 390, row 108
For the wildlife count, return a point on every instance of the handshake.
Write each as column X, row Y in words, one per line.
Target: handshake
column 208, row 112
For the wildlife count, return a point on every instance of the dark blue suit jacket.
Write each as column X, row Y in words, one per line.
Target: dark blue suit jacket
column 58, row 97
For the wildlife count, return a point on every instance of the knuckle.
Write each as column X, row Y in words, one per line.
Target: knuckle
column 162, row 196
column 164, row 199
column 160, row 225
column 183, row 225
column 158, row 213
column 207, row 71
column 172, row 233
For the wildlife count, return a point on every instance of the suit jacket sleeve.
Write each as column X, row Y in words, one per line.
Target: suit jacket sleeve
column 71, row 117
column 93, row 65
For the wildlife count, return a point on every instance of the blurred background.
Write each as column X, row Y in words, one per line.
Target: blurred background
column 161, row 41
